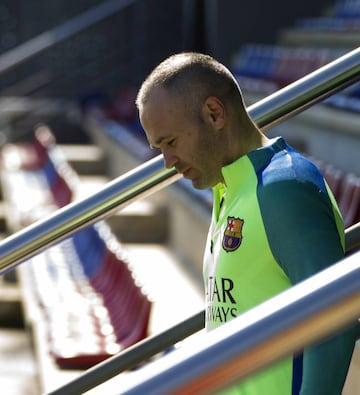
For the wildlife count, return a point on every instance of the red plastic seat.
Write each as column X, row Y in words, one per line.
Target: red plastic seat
column 334, row 179
column 349, row 200
column 131, row 326
column 112, row 274
column 125, row 323
column 61, row 191
column 23, row 156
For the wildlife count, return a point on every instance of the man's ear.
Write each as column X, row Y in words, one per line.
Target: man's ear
column 213, row 111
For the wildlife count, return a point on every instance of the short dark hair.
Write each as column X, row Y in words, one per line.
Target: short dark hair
column 192, row 76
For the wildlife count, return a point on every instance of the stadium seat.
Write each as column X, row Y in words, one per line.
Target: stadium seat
column 349, row 200
column 334, row 178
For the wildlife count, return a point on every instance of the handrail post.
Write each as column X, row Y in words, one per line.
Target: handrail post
column 352, row 238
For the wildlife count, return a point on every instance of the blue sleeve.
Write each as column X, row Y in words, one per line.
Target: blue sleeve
column 304, row 238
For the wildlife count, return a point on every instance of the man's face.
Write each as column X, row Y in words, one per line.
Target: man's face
column 186, row 144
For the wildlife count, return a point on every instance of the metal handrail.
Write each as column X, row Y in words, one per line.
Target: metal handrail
column 136, row 184
column 147, row 348
column 352, row 238
column 43, row 41
column 151, row 176
column 282, row 326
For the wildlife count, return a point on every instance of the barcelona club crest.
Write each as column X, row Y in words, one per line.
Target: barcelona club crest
column 232, row 234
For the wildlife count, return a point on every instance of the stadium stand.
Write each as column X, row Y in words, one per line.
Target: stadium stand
column 86, row 295
column 301, row 49
column 39, row 166
column 82, row 269
column 91, row 304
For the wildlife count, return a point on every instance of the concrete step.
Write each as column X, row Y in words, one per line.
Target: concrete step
column 10, row 298
column 142, row 221
column 18, row 369
column 11, row 310
column 3, row 223
column 176, row 292
column 85, row 159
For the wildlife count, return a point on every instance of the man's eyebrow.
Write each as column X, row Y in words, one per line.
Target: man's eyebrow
column 158, row 142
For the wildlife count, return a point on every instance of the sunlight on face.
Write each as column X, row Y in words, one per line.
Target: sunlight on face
column 186, row 144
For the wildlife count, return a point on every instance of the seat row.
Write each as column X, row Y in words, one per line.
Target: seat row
column 264, row 69
column 90, row 300
column 39, row 169
column 277, row 66
column 337, row 23
column 345, row 16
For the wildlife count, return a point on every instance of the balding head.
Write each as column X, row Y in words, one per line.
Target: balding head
column 191, row 78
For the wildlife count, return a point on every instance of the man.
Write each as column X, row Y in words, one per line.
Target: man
column 274, row 220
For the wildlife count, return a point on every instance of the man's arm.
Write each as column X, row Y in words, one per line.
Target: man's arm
column 304, row 238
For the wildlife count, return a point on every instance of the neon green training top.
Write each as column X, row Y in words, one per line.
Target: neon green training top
column 274, row 224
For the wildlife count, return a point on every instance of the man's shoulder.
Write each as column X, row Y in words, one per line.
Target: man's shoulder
column 289, row 167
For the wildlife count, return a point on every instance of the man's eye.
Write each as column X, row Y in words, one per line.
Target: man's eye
column 171, row 143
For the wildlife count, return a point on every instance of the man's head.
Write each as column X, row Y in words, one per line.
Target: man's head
column 192, row 77
column 190, row 106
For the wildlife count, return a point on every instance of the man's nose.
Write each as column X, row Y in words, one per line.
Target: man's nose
column 169, row 158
